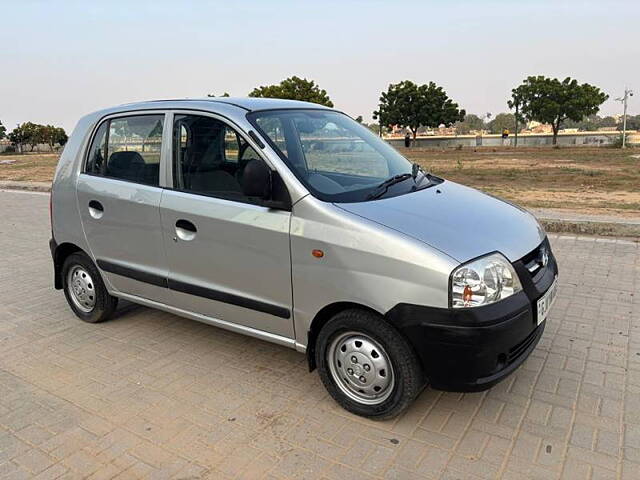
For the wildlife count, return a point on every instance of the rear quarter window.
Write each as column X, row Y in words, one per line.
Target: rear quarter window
column 98, row 151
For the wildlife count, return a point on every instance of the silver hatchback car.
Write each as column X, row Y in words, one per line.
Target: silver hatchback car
column 293, row 223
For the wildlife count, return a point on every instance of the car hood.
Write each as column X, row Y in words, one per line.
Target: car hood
column 457, row 220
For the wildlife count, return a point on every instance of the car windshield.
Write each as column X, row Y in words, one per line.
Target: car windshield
column 335, row 157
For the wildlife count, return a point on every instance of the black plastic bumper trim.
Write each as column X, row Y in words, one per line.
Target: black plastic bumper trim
column 230, row 298
column 472, row 349
column 133, row 273
column 52, row 246
column 519, row 359
column 191, row 289
column 57, row 273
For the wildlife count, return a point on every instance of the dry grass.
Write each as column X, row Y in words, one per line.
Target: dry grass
column 589, row 180
column 30, row 167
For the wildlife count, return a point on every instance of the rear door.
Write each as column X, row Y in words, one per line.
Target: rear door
column 118, row 195
column 228, row 257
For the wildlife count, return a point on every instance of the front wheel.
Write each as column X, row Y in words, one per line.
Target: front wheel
column 367, row 366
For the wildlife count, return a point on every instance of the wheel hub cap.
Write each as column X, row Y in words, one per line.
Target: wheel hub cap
column 81, row 288
column 361, row 368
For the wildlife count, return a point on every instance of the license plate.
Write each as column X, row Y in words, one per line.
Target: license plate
column 545, row 302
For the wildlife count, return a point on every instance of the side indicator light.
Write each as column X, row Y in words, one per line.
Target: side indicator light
column 467, row 295
column 317, row 253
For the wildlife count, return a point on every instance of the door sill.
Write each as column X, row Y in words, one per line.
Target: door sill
column 233, row 327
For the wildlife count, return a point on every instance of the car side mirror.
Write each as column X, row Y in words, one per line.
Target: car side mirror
column 259, row 181
column 256, row 180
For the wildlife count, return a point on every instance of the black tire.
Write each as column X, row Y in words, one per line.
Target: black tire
column 105, row 304
column 408, row 377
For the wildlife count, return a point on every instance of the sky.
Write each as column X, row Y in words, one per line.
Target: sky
column 60, row 60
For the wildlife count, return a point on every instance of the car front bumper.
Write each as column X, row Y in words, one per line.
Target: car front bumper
column 472, row 349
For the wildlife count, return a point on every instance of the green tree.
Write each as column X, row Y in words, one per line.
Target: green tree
column 53, row 135
column 34, row 134
column 413, row 106
column 48, row 135
column 589, row 123
column 294, row 88
column 549, row 100
column 27, row 133
column 503, row 121
column 375, row 128
column 594, row 122
column 609, row 122
column 633, row 123
column 211, row 95
column 61, row 137
column 469, row 123
column 3, row 131
column 17, row 137
column 359, row 119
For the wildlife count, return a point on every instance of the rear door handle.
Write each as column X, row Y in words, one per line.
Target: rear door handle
column 185, row 230
column 96, row 210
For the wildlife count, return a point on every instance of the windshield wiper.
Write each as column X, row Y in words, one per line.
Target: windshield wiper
column 384, row 186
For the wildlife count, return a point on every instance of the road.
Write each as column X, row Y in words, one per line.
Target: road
column 152, row 395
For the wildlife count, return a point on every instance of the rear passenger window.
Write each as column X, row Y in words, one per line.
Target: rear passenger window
column 134, row 149
column 128, row 148
column 209, row 157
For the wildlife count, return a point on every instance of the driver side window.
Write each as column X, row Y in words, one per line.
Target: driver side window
column 209, row 157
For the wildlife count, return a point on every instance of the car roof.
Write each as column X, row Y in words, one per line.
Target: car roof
column 250, row 104
column 235, row 108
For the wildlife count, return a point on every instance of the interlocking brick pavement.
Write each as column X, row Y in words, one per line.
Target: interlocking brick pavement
column 152, row 395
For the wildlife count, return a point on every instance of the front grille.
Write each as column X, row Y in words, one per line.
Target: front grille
column 533, row 266
column 533, row 261
column 520, row 348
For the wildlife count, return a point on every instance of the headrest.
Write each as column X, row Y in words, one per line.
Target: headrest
column 123, row 160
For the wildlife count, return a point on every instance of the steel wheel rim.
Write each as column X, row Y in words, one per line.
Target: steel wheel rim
column 81, row 288
column 369, row 379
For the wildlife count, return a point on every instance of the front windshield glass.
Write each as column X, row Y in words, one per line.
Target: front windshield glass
column 336, row 158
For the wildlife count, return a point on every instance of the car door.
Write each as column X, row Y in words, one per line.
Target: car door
column 118, row 194
column 228, row 257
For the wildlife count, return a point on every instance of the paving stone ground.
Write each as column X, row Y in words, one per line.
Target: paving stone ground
column 152, row 395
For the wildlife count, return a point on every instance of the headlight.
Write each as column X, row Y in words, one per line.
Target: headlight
column 483, row 281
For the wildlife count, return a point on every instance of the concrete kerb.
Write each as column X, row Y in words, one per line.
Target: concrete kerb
column 29, row 186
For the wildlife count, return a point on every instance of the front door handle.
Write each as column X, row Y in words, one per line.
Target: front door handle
column 185, row 230
column 96, row 210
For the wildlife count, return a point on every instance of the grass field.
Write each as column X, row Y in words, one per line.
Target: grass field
column 36, row 167
column 589, row 180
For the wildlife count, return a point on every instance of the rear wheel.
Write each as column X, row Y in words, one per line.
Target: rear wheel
column 367, row 366
column 85, row 291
